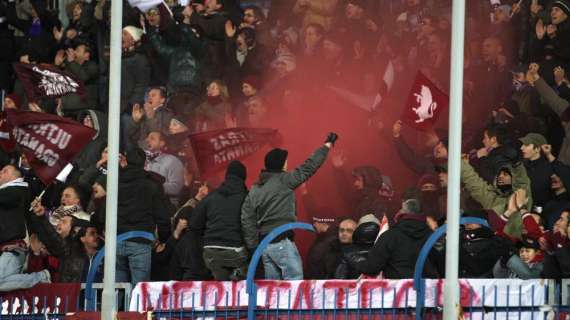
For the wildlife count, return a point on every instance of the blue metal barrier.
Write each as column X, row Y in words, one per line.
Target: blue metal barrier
column 419, row 282
column 89, row 293
column 251, row 288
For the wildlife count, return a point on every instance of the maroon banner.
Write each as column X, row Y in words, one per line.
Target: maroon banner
column 425, row 103
column 49, row 142
column 47, row 81
column 213, row 150
column 40, row 299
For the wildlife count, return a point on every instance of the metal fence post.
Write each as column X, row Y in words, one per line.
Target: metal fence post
column 251, row 288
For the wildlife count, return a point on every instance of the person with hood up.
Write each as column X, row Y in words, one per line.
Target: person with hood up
column 479, row 247
column 396, row 250
column 271, row 204
column 495, row 196
column 91, row 153
column 363, row 240
column 364, row 197
column 217, row 220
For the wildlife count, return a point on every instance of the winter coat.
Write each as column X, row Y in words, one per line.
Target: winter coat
column 135, row 78
column 141, row 203
column 184, row 66
column 487, row 167
column 322, row 12
column 324, row 256
column 210, row 116
column 88, row 73
column 14, row 208
column 69, row 251
column 362, row 241
column 396, row 251
column 479, row 250
column 91, row 153
column 517, row 269
column 539, row 172
column 38, row 41
column 212, row 29
column 557, row 264
column 271, row 201
column 217, row 217
column 492, row 198
column 560, row 107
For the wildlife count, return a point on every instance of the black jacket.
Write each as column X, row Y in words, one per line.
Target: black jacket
column 396, row 251
column 539, row 172
column 218, row 216
column 69, row 251
column 324, row 255
column 14, row 206
column 363, row 240
column 479, row 251
column 141, row 204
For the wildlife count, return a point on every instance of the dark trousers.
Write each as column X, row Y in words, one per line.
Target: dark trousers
column 226, row 264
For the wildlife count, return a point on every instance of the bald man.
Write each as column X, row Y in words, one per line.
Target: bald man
column 14, row 205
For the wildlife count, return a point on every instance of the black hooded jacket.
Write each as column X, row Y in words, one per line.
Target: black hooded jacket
column 396, row 251
column 363, row 240
column 479, row 251
column 91, row 153
column 141, row 205
column 218, row 216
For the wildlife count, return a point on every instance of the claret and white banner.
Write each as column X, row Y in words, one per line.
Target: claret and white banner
column 332, row 294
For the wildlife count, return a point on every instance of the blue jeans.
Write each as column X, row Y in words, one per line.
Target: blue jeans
column 133, row 262
column 282, row 261
column 11, row 276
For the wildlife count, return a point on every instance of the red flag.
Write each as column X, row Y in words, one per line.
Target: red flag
column 213, row 150
column 49, row 142
column 47, row 81
column 425, row 103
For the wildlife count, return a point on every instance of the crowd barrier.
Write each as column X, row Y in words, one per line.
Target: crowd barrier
column 539, row 299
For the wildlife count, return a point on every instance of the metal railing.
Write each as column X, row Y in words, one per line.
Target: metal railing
column 419, row 298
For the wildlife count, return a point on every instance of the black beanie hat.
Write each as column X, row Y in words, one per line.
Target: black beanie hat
column 564, row 5
column 236, row 168
column 275, row 159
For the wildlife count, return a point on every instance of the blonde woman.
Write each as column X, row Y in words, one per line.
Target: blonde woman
column 211, row 114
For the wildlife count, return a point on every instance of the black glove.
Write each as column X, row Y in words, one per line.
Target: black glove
column 331, row 137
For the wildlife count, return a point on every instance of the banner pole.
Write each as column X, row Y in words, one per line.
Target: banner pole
column 451, row 287
column 108, row 307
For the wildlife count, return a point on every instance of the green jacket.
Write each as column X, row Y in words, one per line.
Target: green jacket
column 492, row 198
column 271, row 201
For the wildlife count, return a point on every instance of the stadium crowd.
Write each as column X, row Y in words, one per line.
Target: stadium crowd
column 216, row 64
